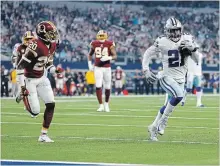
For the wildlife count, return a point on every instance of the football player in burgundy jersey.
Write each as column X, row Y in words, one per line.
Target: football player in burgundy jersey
column 104, row 51
column 118, row 80
column 38, row 56
column 60, row 80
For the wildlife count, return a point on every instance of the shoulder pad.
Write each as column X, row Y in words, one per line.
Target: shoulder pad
column 157, row 41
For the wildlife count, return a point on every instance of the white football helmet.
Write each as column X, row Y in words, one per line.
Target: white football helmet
column 173, row 29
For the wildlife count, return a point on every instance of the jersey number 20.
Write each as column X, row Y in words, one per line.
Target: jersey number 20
column 175, row 60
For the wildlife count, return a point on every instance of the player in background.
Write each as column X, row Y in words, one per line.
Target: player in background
column 119, row 74
column 104, row 51
column 194, row 77
column 174, row 47
column 25, row 39
column 16, row 56
column 38, row 55
column 60, row 80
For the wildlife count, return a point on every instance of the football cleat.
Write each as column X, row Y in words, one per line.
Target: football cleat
column 101, row 108
column 153, row 133
column 162, row 126
column 44, row 138
column 200, row 105
column 182, row 104
column 106, row 107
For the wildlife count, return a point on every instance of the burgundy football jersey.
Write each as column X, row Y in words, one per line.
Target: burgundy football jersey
column 118, row 74
column 41, row 54
column 102, row 49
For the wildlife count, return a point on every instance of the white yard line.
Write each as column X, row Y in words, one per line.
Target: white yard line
column 109, row 125
column 115, row 139
column 73, row 163
column 112, row 96
column 102, row 114
column 148, row 109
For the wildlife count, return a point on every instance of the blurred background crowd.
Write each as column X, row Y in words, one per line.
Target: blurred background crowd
column 132, row 25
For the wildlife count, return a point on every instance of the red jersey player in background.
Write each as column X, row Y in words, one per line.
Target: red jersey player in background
column 31, row 74
column 60, row 80
column 118, row 80
column 104, row 51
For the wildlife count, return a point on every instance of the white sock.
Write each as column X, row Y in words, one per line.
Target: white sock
column 199, row 96
column 101, row 105
column 184, row 97
column 167, row 112
column 159, row 115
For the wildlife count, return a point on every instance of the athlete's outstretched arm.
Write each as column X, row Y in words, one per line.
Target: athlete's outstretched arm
column 151, row 52
column 24, row 62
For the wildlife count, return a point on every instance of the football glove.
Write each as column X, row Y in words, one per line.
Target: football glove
column 187, row 45
column 105, row 58
column 24, row 91
column 150, row 76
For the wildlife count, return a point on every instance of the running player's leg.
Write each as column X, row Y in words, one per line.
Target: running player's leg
column 98, row 72
column 198, row 84
column 189, row 86
column 176, row 91
column 31, row 101
column 107, row 85
column 48, row 98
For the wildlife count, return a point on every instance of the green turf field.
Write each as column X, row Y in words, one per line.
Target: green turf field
column 81, row 134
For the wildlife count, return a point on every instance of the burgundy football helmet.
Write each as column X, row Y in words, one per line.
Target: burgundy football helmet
column 47, row 31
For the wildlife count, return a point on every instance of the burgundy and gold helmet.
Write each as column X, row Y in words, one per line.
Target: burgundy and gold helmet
column 29, row 35
column 102, row 35
column 47, row 31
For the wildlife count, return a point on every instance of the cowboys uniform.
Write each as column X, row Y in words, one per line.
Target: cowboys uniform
column 194, row 77
column 174, row 48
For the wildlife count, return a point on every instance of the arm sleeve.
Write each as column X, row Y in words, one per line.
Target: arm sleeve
column 151, row 52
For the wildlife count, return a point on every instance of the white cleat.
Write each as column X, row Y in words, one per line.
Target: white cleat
column 161, row 132
column 162, row 126
column 101, row 108
column 153, row 133
column 200, row 105
column 45, row 138
column 106, row 107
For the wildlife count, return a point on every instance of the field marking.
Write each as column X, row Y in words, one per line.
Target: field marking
column 109, row 125
column 110, row 115
column 112, row 96
column 148, row 109
column 115, row 139
column 74, row 163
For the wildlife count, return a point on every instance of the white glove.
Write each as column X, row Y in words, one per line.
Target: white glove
column 186, row 44
column 91, row 67
column 105, row 58
column 150, row 77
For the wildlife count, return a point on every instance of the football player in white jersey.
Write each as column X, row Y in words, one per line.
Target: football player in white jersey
column 174, row 48
column 194, row 77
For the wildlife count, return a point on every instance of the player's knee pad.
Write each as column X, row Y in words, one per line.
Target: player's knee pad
column 198, row 89
column 50, row 107
column 175, row 100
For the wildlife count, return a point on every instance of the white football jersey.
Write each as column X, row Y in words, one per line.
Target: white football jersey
column 195, row 68
column 173, row 64
column 15, row 52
